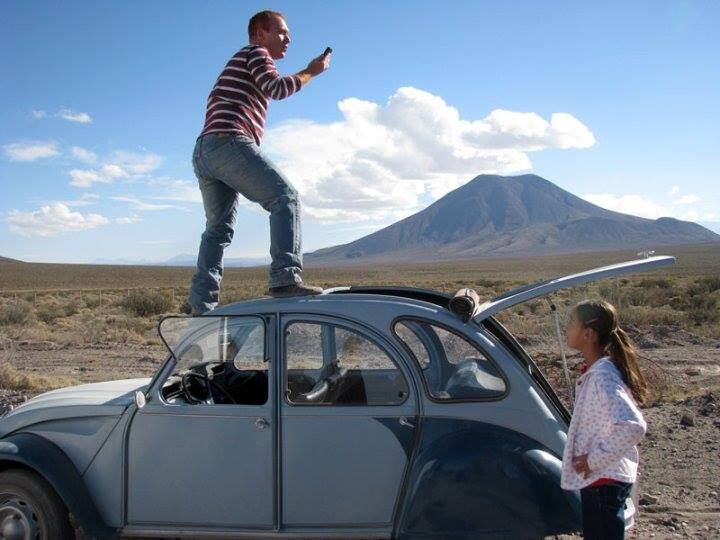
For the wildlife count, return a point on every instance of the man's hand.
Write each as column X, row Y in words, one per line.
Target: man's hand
column 580, row 464
column 319, row 64
column 315, row 67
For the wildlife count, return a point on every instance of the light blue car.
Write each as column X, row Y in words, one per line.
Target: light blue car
column 363, row 412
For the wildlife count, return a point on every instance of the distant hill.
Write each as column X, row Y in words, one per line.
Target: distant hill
column 185, row 259
column 8, row 260
column 494, row 216
column 191, row 260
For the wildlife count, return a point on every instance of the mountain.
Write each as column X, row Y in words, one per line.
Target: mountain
column 504, row 216
column 8, row 260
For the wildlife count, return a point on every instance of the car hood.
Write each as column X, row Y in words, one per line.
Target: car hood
column 111, row 393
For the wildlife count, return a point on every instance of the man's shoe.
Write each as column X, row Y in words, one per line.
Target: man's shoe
column 296, row 289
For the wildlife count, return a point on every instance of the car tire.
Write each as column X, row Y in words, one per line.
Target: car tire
column 28, row 503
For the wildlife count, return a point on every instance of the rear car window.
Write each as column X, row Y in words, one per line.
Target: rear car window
column 453, row 368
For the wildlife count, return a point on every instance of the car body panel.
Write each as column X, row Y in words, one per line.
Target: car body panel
column 105, row 476
column 111, row 393
column 543, row 288
column 231, row 475
column 475, row 480
column 52, row 463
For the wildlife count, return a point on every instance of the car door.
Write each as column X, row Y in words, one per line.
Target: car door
column 348, row 425
column 208, row 464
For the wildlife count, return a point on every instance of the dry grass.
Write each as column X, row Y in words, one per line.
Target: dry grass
column 76, row 305
column 12, row 379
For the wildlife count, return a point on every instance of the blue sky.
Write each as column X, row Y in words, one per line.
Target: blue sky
column 102, row 102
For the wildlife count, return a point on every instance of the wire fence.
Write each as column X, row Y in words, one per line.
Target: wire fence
column 99, row 296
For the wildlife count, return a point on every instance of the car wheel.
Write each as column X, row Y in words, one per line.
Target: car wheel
column 30, row 509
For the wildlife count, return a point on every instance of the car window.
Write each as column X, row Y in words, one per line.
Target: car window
column 333, row 365
column 221, row 360
column 453, row 367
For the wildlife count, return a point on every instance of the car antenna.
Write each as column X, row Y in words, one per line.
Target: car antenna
column 554, row 310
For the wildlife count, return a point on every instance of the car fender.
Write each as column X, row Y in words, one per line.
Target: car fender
column 49, row 461
column 473, row 479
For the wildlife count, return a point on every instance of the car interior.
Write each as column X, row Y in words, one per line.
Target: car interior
column 333, row 365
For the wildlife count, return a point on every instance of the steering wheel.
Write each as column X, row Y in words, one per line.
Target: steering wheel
column 207, row 382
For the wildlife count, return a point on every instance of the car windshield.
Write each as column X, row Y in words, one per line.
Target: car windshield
column 201, row 340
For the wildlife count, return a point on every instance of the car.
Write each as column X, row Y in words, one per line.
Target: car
column 362, row 412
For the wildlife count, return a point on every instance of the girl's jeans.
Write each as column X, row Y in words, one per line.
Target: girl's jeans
column 603, row 511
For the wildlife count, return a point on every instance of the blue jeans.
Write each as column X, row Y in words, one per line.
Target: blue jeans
column 603, row 511
column 225, row 167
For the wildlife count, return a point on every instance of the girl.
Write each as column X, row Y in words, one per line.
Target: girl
column 601, row 456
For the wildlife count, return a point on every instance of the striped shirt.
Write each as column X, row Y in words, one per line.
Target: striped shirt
column 238, row 102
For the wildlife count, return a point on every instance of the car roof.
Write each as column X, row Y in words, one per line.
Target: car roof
column 337, row 295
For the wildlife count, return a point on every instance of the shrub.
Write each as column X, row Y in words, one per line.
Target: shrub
column 47, row 313
column 146, row 303
column 702, row 310
column 12, row 379
column 704, row 285
column 16, row 313
column 660, row 283
column 50, row 311
column 91, row 302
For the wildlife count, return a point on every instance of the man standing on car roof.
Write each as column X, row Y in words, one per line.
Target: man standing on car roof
column 227, row 161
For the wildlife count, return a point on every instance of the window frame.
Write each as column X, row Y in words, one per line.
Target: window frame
column 462, row 336
column 348, row 326
column 173, row 361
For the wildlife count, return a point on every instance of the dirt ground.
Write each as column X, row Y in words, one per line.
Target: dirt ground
column 679, row 478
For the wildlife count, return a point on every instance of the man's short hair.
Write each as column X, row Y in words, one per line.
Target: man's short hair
column 262, row 20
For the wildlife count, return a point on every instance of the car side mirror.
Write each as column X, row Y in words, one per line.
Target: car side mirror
column 140, row 399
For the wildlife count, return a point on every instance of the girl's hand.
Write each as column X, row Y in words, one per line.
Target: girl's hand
column 580, row 464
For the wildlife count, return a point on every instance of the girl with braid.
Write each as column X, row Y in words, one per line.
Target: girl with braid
column 601, row 456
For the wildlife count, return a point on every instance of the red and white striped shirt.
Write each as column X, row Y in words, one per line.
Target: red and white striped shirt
column 238, row 102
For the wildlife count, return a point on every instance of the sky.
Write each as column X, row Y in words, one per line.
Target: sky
column 102, row 102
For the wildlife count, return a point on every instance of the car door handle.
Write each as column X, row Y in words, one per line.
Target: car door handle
column 405, row 422
column 261, row 423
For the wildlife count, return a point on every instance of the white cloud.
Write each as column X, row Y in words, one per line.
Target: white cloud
column 30, row 151
column 688, row 199
column 177, row 190
column 39, row 114
column 51, row 220
column 128, row 220
column 83, row 154
column 639, row 205
column 136, row 163
column 141, row 206
column 103, row 175
column 635, row 205
column 119, row 164
column 72, row 116
column 86, row 199
column 377, row 161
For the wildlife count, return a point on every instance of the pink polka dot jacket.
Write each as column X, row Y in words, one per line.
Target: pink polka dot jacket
column 606, row 425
